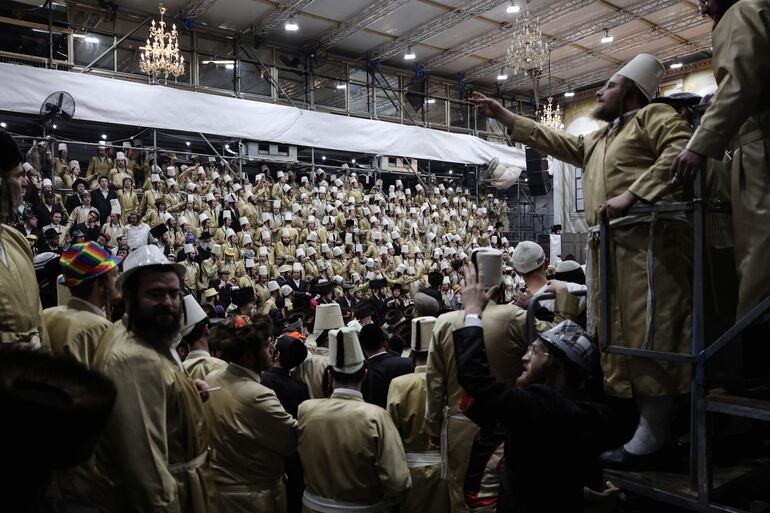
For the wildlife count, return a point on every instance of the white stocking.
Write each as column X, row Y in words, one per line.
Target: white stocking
column 650, row 435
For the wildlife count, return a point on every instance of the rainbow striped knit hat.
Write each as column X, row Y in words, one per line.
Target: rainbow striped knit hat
column 85, row 261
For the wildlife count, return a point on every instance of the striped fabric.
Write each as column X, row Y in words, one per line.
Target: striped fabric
column 569, row 338
column 85, row 261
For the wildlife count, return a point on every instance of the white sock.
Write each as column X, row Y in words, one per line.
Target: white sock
column 650, row 435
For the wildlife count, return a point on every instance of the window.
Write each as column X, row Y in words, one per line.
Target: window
column 579, row 201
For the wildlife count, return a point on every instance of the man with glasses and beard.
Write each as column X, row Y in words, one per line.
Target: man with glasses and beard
column 153, row 453
column 626, row 161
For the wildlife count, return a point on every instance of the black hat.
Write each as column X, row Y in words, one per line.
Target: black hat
column 243, row 296
column 435, row 278
column 78, row 232
column 397, row 286
column 205, row 236
column 363, row 311
column 292, row 351
column 393, row 317
column 679, row 100
column 159, row 230
column 380, row 283
column 349, row 222
column 323, row 287
column 50, row 233
column 10, row 155
column 78, row 182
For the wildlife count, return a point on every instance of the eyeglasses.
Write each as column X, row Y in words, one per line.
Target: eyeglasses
column 534, row 349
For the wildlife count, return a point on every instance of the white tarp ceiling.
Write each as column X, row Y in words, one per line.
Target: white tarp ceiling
column 117, row 101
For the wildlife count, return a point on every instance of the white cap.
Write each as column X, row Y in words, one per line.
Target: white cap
column 193, row 315
column 249, row 263
column 646, row 72
column 286, row 291
column 115, row 207
column 422, row 330
column 262, row 270
column 263, row 251
column 266, row 216
column 216, row 249
column 183, row 220
column 272, row 286
column 345, row 353
column 337, row 251
column 229, row 232
column 227, row 214
column 189, row 248
column 62, row 147
column 311, row 252
column 299, row 253
column 296, row 267
column 528, row 256
column 246, row 239
column 312, row 236
column 203, row 217
column 144, row 256
column 243, row 220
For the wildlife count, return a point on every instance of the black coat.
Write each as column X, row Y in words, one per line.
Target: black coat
column 44, row 215
column 289, row 391
column 72, row 201
column 101, row 204
column 552, row 440
column 382, row 369
column 301, row 287
column 345, row 303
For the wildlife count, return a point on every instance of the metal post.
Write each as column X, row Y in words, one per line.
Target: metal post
column 154, row 148
column 240, row 160
column 221, row 159
column 604, row 271
column 115, row 45
column 50, row 33
column 700, row 455
column 236, row 70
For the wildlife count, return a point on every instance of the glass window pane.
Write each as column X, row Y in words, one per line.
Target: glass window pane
column 128, row 56
column 87, row 48
column 215, row 72
column 330, row 93
column 436, row 105
column 293, row 84
column 31, row 41
column 360, row 98
column 252, row 80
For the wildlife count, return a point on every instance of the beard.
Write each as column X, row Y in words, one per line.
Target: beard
column 605, row 112
column 158, row 325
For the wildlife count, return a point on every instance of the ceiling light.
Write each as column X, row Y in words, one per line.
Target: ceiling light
column 430, row 100
column 79, row 36
column 104, row 136
column 342, row 86
column 229, row 66
column 451, row 172
column 607, row 37
column 54, row 127
column 3, row 124
column 323, row 157
column 409, row 55
column 187, row 143
column 225, row 62
column 353, row 161
column 513, row 8
column 676, row 65
column 92, row 39
column 503, row 75
column 569, row 94
column 291, row 25
column 227, row 146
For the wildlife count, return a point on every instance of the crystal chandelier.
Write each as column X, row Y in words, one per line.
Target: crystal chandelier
column 160, row 55
column 527, row 50
column 550, row 116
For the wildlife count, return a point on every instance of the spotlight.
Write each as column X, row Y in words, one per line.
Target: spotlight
column 503, row 75
column 91, row 39
column 3, row 124
column 229, row 66
column 187, row 143
column 227, row 146
column 409, row 55
column 676, row 65
column 104, row 136
column 54, row 127
column 323, row 157
column 352, row 161
column 513, row 8
column 451, row 172
column 342, row 87
column 291, row 25
column 607, row 37
column 569, row 94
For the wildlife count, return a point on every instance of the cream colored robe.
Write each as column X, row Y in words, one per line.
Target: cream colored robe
column 739, row 116
column 636, row 157
column 351, row 451
column 406, row 406
column 251, row 434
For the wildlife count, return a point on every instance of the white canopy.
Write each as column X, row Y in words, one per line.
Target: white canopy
column 110, row 100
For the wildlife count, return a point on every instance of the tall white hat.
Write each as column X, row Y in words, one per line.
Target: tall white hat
column 328, row 317
column 646, row 72
column 345, row 353
column 193, row 315
column 115, row 207
column 144, row 256
column 490, row 261
column 272, row 286
column 422, row 330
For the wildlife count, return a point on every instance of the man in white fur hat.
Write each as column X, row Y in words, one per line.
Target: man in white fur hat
column 311, row 372
column 407, row 395
column 370, row 463
column 626, row 161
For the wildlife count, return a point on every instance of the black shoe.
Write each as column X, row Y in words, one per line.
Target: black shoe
column 620, row 459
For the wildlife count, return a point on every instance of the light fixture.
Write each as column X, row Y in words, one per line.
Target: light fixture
column 527, row 49
column 550, row 116
column 410, row 55
column 451, row 172
column 104, row 136
column 91, row 39
column 569, row 94
column 160, row 55
column 229, row 66
column 503, row 75
column 512, row 8
column 607, row 37
column 3, row 124
column 352, row 161
column 187, row 143
column 342, row 86
column 323, row 157
column 430, row 100
column 227, row 146
column 54, row 127
column 676, row 65
column 291, row 24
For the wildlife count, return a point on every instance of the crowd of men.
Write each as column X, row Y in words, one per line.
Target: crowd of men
column 304, row 343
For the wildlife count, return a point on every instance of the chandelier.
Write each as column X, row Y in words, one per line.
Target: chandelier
column 550, row 116
column 160, row 55
column 527, row 50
